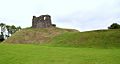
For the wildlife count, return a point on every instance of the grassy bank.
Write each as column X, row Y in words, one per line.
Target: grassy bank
column 91, row 39
column 67, row 38
column 36, row 36
column 61, row 46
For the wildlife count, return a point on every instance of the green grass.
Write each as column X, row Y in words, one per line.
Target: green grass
column 36, row 36
column 36, row 54
column 61, row 46
column 67, row 38
column 92, row 39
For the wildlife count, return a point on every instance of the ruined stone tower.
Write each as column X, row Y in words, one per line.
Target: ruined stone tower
column 43, row 21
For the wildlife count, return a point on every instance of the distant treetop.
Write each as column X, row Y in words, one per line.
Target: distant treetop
column 114, row 26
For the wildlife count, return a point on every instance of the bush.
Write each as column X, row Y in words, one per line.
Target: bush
column 114, row 26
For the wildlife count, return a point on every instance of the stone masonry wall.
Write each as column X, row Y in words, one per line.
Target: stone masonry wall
column 43, row 21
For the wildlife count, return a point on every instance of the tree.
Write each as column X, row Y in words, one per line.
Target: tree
column 7, row 30
column 2, row 25
column 13, row 29
column 18, row 28
column 114, row 26
column 8, row 27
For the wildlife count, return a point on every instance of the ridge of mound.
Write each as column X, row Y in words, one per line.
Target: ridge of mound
column 36, row 35
column 97, row 39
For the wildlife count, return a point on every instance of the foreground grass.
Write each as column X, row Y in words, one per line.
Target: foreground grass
column 36, row 54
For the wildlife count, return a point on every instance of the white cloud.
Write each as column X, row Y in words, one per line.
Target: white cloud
column 80, row 14
column 98, row 18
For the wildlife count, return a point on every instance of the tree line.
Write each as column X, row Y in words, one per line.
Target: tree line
column 10, row 29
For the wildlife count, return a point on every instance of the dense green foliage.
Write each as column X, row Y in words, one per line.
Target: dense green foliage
column 114, row 26
column 11, row 29
column 36, row 54
column 7, row 30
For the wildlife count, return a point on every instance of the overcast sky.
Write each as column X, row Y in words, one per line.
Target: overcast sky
column 83, row 15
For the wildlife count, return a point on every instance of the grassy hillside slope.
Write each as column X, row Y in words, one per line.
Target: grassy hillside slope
column 65, row 37
column 36, row 36
column 62, row 47
column 99, row 38
column 36, row 54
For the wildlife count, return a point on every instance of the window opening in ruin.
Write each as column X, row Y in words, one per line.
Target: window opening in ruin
column 44, row 18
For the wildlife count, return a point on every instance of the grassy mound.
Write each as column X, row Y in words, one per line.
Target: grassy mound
column 65, row 37
column 99, row 38
column 59, row 47
column 36, row 36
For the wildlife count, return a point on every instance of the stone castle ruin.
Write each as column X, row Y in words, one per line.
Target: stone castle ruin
column 43, row 21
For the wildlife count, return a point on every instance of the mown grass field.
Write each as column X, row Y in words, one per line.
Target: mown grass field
column 61, row 46
column 37, row 54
